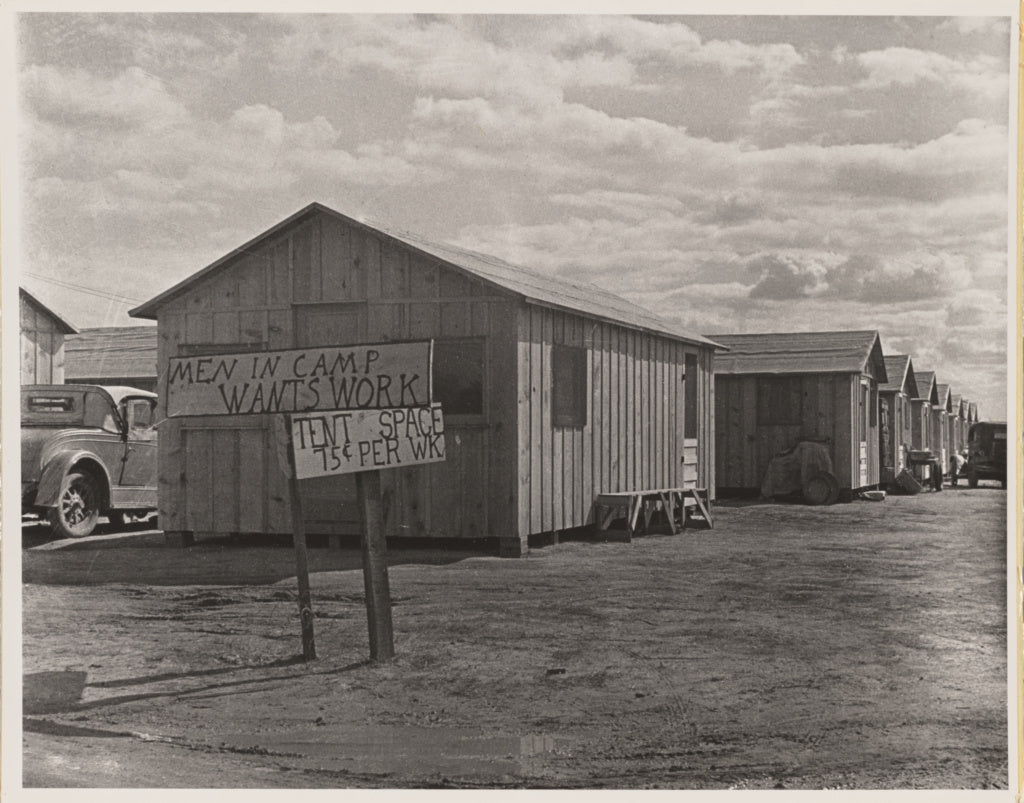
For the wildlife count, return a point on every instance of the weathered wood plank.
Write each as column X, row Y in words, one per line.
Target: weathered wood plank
column 225, row 480
column 301, row 253
column 558, row 462
column 335, row 260
column 198, row 480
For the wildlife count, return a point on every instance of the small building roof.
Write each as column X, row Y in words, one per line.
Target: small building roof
column 801, row 353
column 945, row 397
column 111, row 352
column 62, row 325
column 573, row 295
column 926, row 387
column 900, row 370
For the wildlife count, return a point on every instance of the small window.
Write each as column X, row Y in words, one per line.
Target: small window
column 140, row 419
column 51, row 404
column 568, row 386
column 779, row 401
column 459, row 376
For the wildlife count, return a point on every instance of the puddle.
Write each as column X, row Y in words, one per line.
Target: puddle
column 401, row 750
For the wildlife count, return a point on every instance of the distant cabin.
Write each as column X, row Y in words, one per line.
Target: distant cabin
column 940, row 424
column 553, row 390
column 42, row 341
column 896, row 415
column 922, row 435
column 773, row 390
column 957, row 436
column 112, row 355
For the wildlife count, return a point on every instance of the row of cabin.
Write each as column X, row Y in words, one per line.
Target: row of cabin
column 774, row 390
column 554, row 391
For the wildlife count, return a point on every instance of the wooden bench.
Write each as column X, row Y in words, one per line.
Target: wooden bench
column 631, row 504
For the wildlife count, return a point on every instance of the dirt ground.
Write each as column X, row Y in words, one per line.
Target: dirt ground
column 857, row 646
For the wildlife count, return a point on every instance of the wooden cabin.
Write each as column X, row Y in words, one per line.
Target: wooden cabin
column 957, row 437
column 921, row 430
column 895, row 414
column 112, row 355
column 774, row 390
column 921, row 433
column 940, row 424
column 554, row 391
column 42, row 341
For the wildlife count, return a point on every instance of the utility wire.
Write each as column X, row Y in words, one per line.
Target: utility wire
column 90, row 290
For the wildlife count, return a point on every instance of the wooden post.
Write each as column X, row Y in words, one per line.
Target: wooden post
column 298, row 536
column 375, row 567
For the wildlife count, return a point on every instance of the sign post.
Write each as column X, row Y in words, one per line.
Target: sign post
column 362, row 443
column 375, row 567
column 349, row 409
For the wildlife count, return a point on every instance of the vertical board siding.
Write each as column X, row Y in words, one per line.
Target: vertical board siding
column 632, row 438
column 509, row 472
column 829, row 403
column 42, row 345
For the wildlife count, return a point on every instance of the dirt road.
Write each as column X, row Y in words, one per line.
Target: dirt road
column 855, row 646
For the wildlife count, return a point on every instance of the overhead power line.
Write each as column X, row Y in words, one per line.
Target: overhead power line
column 82, row 289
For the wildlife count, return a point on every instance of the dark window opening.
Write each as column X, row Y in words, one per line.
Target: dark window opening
column 690, row 386
column 779, row 401
column 568, row 386
column 459, row 376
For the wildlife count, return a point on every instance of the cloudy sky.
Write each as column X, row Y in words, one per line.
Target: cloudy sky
column 730, row 173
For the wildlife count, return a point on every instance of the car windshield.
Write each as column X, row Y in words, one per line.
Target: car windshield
column 58, row 407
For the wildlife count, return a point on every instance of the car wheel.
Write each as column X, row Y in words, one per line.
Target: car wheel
column 78, row 506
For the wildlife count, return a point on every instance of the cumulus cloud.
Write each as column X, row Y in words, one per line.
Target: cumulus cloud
column 907, row 66
column 131, row 98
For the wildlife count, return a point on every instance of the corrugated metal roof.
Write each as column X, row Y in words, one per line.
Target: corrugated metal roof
column 571, row 295
column 111, row 352
column 800, row 353
column 900, row 369
column 926, row 387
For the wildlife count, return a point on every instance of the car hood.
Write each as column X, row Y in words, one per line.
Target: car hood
column 39, row 443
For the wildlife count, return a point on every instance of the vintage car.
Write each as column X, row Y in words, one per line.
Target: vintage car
column 986, row 452
column 87, row 451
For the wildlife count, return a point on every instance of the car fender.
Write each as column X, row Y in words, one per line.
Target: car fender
column 58, row 466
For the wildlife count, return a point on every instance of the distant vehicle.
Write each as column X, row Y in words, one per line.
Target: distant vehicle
column 87, row 451
column 986, row 452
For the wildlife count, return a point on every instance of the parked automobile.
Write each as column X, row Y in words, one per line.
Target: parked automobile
column 986, row 452
column 87, row 451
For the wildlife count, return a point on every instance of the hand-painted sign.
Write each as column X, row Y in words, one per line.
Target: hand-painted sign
column 366, row 377
column 365, row 440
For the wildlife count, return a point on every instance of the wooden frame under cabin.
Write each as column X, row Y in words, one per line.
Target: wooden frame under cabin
column 42, row 334
column 896, row 415
column 554, row 391
column 774, row 390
